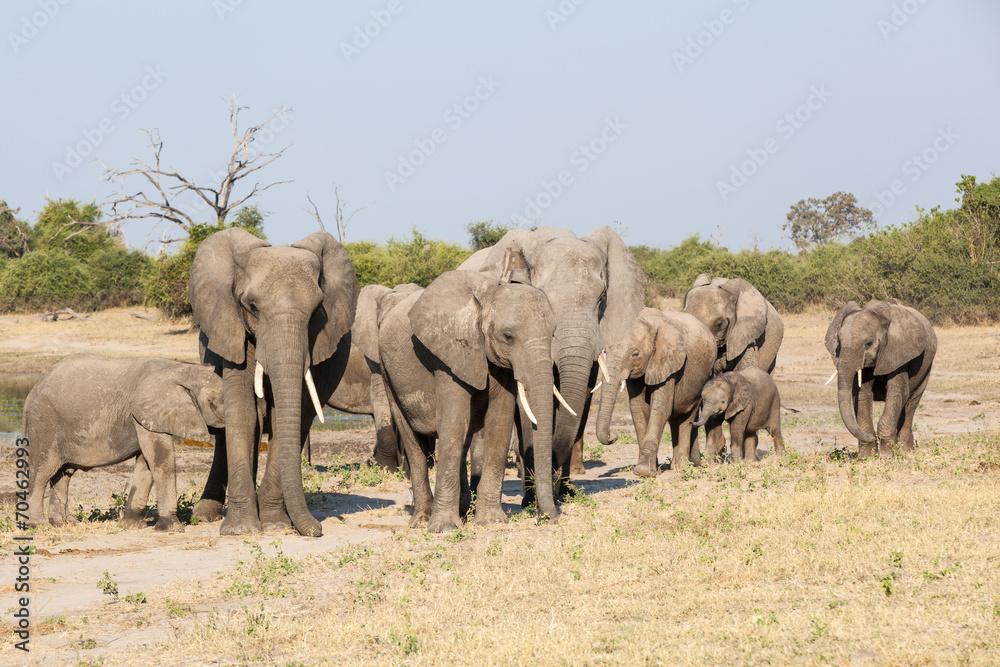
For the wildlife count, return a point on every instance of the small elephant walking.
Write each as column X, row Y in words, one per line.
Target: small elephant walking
column 664, row 359
column 749, row 401
column 89, row 411
column 883, row 352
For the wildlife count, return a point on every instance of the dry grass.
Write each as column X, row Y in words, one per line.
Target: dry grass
column 817, row 558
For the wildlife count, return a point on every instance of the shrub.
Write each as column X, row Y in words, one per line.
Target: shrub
column 46, row 279
column 417, row 259
column 117, row 276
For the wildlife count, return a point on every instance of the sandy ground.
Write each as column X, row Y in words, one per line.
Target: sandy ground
column 963, row 396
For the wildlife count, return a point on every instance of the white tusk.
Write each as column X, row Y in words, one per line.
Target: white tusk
column 524, row 403
column 599, row 383
column 315, row 399
column 258, row 381
column 562, row 400
column 831, row 379
column 604, row 368
column 859, row 377
column 622, row 388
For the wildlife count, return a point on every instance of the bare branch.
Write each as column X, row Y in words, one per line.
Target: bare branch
column 341, row 220
column 315, row 213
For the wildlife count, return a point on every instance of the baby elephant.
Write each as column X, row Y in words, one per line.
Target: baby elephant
column 749, row 401
column 89, row 411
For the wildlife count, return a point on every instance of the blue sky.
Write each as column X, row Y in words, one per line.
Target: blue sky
column 711, row 117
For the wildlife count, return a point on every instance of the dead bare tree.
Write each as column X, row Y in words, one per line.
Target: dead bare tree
column 158, row 201
column 341, row 220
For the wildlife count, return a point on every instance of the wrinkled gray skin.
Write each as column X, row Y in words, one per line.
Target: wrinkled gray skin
column 749, row 401
column 664, row 358
column 451, row 359
column 361, row 390
column 89, row 411
column 595, row 288
column 893, row 345
column 287, row 308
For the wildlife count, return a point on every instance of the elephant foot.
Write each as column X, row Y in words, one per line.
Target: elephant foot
column 577, row 468
column 491, row 513
column 867, row 450
column 310, row 527
column 643, row 470
column 168, row 524
column 420, row 517
column 240, row 523
column 275, row 520
column 443, row 524
column 60, row 520
column 207, row 511
column 133, row 520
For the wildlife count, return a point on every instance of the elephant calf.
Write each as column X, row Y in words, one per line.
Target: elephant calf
column 89, row 411
column 749, row 401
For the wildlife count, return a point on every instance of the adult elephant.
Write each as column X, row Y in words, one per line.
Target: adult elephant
column 454, row 357
column 274, row 313
column 595, row 288
column 883, row 352
column 747, row 328
column 664, row 360
column 361, row 390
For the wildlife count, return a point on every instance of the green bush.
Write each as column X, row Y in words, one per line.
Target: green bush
column 117, row 276
column 46, row 280
column 417, row 259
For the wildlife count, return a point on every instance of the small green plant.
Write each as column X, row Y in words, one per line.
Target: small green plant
column 626, row 439
column 575, row 496
column 896, row 558
column 87, row 644
column 258, row 621
column 650, row 491
column 185, row 509
column 407, row 643
column 178, row 611
column 458, row 535
column 755, row 553
column 263, row 574
column 888, row 584
column 108, row 585
column 594, row 452
column 137, row 599
column 113, row 513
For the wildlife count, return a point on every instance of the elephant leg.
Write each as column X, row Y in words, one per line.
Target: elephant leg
column 576, row 466
column 59, row 499
column 270, row 498
column 387, row 450
column 737, row 436
column 906, row 439
column 687, row 437
column 213, row 497
column 495, row 443
column 715, row 439
column 416, row 450
column 750, row 446
column 863, row 409
column 638, row 404
column 454, row 408
column 660, row 402
column 158, row 450
column 138, row 494
column 241, row 438
column 774, row 428
column 465, row 495
column 897, row 391
column 527, row 451
column 475, row 461
column 45, row 465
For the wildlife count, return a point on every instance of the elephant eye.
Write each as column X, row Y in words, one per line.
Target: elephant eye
column 507, row 338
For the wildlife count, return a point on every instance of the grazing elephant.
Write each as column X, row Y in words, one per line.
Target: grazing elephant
column 453, row 358
column 595, row 288
column 749, row 401
column 89, row 411
column 361, row 390
column 889, row 347
column 747, row 328
column 274, row 313
column 664, row 359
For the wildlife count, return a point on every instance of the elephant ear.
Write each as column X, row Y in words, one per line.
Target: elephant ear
column 626, row 284
column 335, row 316
column 833, row 332
column 364, row 333
column 751, row 317
column 669, row 349
column 741, row 396
column 168, row 409
column 907, row 339
column 447, row 320
column 214, row 273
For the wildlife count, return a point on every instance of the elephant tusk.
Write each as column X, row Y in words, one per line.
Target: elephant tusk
column 831, row 379
column 524, row 403
column 258, row 381
column 562, row 401
column 315, row 399
column 859, row 377
column 598, row 386
column 604, row 368
column 622, row 388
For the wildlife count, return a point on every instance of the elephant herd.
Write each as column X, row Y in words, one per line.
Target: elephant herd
column 515, row 341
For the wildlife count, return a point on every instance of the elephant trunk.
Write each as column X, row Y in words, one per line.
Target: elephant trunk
column 539, row 391
column 287, row 372
column 574, row 352
column 706, row 412
column 847, row 369
column 609, row 396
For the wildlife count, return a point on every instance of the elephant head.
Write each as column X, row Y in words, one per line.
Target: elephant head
column 470, row 323
column 179, row 399
column 595, row 288
column 733, row 310
column 364, row 333
column 883, row 336
column 727, row 394
column 653, row 349
column 283, row 310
